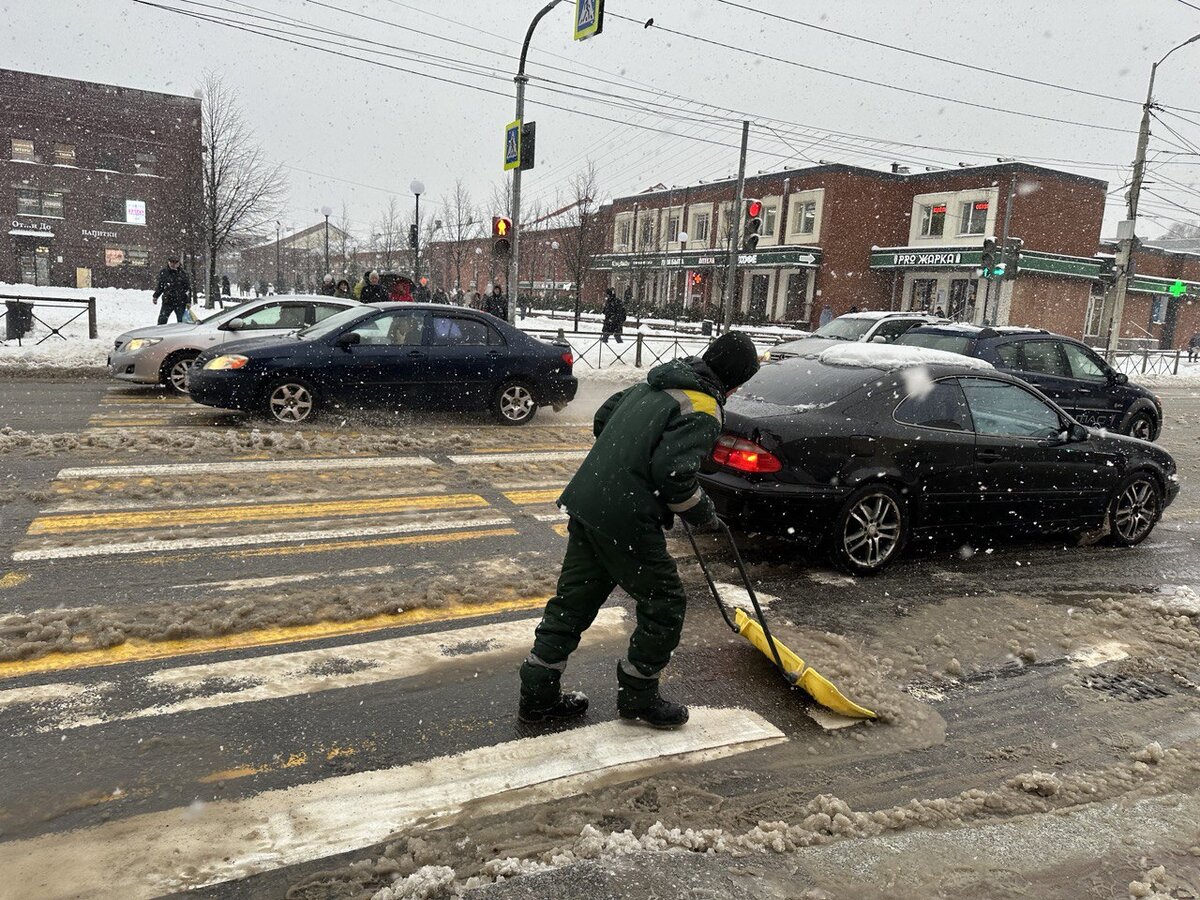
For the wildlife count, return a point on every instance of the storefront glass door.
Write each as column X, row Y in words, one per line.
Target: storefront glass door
column 33, row 263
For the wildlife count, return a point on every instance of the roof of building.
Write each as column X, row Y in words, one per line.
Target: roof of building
column 67, row 84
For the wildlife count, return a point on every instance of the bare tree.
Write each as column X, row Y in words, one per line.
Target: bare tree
column 347, row 245
column 461, row 223
column 389, row 236
column 580, row 239
column 242, row 189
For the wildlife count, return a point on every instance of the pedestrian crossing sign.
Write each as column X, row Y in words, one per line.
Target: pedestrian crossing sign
column 512, row 145
column 589, row 18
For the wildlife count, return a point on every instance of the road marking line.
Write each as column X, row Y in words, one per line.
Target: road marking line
column 486, row 458
column 289, row 674
column 561, row 529
column 242, row 540
column 126, row 520
column 529, row 498
column 59, row 695
column 243, row 584
column 238, row 468
column 551, row 517
column 12, row 579
column 155, row 853
column 141, row 650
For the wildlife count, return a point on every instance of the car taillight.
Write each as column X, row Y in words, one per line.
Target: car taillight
column 568, row 358
column 744, row 456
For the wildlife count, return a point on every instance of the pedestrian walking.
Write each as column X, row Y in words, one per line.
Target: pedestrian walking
column 614, row 317
column 641, row 472
column 342, row 289
column 476, row 300
column 440, row 296
column 826, row 315
column 1194, row 347
column 175, row 290
column 328, row 288
column 497, row 303
column 939, row 312
column 373, row 291
column 225, row 287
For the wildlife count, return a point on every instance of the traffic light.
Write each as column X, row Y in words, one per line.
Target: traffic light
column 412, row 235
column 1012, row 255
column 528, row 144
column 697, row 279
column 987, row 264
column 751, row 224
column 501, row 236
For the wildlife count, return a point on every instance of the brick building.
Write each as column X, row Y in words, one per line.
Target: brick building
column 295, row 260
column 100, row 182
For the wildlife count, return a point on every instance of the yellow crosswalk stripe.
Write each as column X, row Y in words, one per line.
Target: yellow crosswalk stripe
column 232, row 514
column 528, row 498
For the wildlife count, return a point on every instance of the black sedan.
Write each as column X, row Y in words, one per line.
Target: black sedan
column 863, row 448
column 389, row 355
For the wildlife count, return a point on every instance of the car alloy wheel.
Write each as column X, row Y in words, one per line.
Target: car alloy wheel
column 291, row 403
column 1136, row 509
column 175, row 371
column 1142, row 427
column 516, row 404
column 874, row 526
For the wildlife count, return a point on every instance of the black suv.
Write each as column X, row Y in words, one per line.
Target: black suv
column 1068, row 372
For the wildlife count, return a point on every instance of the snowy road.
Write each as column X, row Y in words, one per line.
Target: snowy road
column 239, row 663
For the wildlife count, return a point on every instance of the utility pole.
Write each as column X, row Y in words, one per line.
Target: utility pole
column 735, row 241
column 278, row 268
column 521, row 80
column 326, row 211
column 1008, row 205
column 1114, row 302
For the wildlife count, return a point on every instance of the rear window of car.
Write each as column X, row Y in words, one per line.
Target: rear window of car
column 951, row 343
column 803, row 383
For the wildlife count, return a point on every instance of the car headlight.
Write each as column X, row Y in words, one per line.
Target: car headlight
column 230, row 361
column 141, row 344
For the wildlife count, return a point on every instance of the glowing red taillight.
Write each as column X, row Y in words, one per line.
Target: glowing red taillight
column 568, row 358
column 744, row 456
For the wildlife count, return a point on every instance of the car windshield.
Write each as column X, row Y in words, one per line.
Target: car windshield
column 951, row 343
column 846, row 328
column 334, row 323
column 802, row 384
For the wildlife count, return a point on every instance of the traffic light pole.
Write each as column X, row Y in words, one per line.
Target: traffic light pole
column 521, row 79
column 735, row 241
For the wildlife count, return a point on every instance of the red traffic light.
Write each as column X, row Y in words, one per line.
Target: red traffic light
column 754, row 208
column 501, row 226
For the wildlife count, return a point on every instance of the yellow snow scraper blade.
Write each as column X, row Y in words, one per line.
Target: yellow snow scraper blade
column 817, row 685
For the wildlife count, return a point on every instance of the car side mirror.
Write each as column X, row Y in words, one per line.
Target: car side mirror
column 348, row 339
column 1119, row 378
column 1075, row 434
column 235, row 324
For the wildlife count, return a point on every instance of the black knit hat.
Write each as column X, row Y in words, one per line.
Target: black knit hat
column 732, row 358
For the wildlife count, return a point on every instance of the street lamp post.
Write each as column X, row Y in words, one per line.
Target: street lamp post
column 1116, row 309
column 278, row 267
column 325, row 211
column 418, row 188
column 475, row 281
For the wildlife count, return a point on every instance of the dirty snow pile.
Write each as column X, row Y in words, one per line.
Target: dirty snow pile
column 117, row 311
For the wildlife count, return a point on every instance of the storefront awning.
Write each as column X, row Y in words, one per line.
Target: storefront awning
column 1028, row 261
column 763, row 258
column 29, row 232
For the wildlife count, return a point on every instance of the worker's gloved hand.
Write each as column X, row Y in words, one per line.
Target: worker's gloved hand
column 709, row 526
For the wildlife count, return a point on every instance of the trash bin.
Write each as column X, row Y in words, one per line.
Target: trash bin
column 18, row 320
column 706, row 327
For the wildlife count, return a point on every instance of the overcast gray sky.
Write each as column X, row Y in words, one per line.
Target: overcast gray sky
column 353, row 131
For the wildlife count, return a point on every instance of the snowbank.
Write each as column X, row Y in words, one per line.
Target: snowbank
column 893, row 356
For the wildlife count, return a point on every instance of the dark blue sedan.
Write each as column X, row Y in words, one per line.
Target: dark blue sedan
column 392, row 356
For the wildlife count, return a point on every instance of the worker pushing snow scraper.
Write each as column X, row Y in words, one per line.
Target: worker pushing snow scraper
column 641, row 472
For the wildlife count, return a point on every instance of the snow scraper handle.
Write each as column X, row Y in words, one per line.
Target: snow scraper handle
column 745, row 581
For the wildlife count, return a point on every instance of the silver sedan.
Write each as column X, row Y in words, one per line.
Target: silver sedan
column 163, row 354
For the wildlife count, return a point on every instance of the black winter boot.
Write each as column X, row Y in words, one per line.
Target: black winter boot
column 638, row 700
column 568, row 706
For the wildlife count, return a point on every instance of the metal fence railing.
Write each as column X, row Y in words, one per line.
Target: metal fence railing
column 637, row 350
column 20, row 313
column 1148, row 362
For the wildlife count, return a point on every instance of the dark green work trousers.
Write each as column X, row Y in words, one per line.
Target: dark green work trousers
column 592, row 567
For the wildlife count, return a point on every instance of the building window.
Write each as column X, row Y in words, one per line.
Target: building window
column 23, row 150
column 647, row 237
column 64, row 154
column 115, row 257
column 700, row 227
column 672, row 227
column 770, row 215
column 933, row 220
column 106, row 159
column 143, row 163
column 1158, row 311
column 623, row 231
column 32, row 202
column 113, row 209
column 974, row 217
column 804, row 220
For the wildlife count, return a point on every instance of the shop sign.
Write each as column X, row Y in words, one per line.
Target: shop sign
column 928, row 259
column 135, row 212
column 33, row 226
column 97, row 233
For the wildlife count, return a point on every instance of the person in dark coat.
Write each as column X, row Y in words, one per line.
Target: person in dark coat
column 175, row 290
column 496, row 303
column 641, row 472
column 225, row 287
column 1194, row 347
column 372, row 291
column 328, row 288
column 343, row 289
column 440, row 296
column 614, row 316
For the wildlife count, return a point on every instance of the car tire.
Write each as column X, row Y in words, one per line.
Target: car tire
column 290, row 401
column 513, row 403
column 1143, row 426
column 870, row 530
column 174, row 370
column 1134, row 509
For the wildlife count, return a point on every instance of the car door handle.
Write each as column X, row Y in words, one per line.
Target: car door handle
column 989, row 455
column 416, row 352
column 493, row 353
